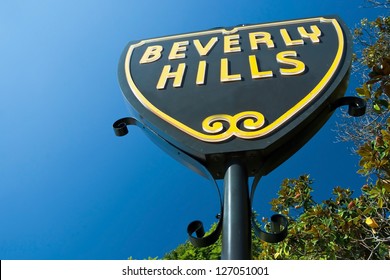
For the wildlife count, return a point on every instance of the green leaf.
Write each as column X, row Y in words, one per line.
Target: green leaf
column 380, row 202
column 377, row 108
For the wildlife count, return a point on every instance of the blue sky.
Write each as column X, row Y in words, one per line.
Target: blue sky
column 70, row 189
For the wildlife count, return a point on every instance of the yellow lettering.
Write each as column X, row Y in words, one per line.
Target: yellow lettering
column 167, row 74
column 177, row 50
column 152, row 53
column 316, row 32
column 256, row 38
column 200, row 77
column 256, row 74
column 231, row 43
column 225, row 75
column 287, row 39
column 299, row 66
column 203, row 51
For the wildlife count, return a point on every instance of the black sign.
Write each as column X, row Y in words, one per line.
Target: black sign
column 257, row 92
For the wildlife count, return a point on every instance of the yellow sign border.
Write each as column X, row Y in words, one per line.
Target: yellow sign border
column 213, row 124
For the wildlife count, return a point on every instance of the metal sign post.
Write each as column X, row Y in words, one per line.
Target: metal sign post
column 236, row 231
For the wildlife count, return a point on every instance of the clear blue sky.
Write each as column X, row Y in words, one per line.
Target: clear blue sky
column 70, row 189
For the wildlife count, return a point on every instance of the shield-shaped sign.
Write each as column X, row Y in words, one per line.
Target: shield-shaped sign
column 257, row 92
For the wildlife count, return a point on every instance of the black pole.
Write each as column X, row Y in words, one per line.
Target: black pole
column 236, row 232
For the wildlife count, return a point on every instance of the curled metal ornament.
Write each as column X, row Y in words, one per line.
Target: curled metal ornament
column 356, row 105
column 197, row 227
column 279, row 223
column 200, row 240
column 120, row 126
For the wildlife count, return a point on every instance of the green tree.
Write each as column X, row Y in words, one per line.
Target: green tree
column 342, row 227
column 372, row 67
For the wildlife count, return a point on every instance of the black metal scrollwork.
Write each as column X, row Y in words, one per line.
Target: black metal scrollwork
column 200, row 240
column 279, row 223
column 279, row 227
column 356, row 105
column 197, row 227
column 120, row 126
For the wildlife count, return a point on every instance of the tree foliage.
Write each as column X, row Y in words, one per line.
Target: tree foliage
column 372, row 65
column 374, row 37
column 341, row 227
